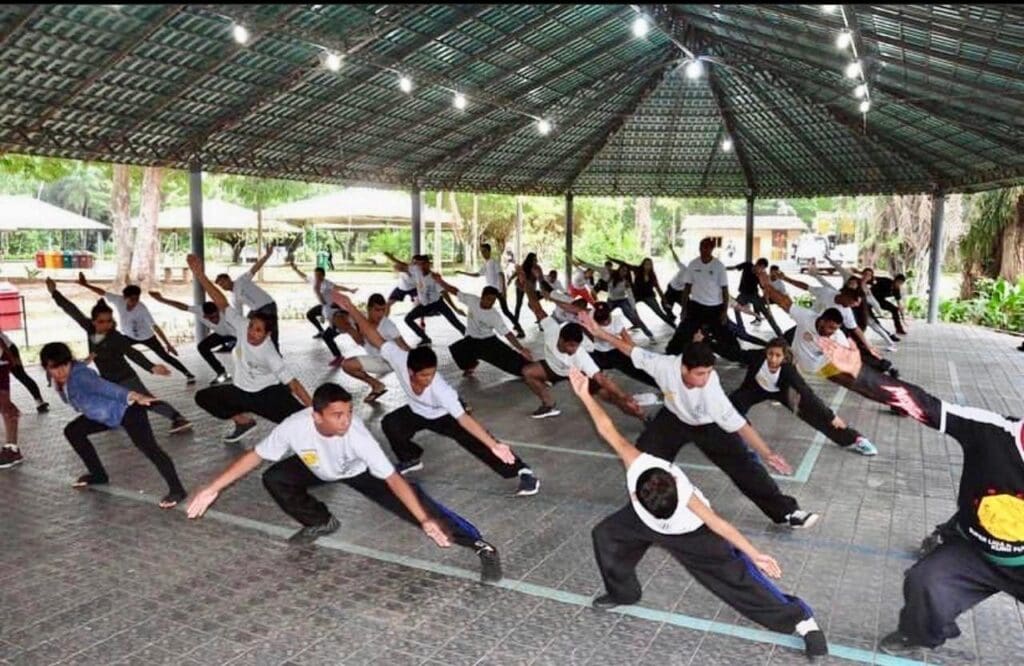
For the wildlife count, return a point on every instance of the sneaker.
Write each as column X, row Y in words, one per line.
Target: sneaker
column 801, row 519
column 528, row 484
column 414, row 465
column 893, row 338
column 545, row 411
column 815, row 644
column 898, row 644
column 311, row 533
column 490, row 562
column 894, row 373
column 604, row 602
column 173, row 498
column 336, row 361
column 91, row 480
column 239, row 432
column 426, row 342
column 522, row 334
column 190, row 381
column 864, row 447
column 222, row 378
column 43, row 407
column 891, row 348
column 929, row 544
column 318, row 336
column 10, row 455
column 180, row 424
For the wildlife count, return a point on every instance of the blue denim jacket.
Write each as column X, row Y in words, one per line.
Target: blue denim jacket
column 94, row 397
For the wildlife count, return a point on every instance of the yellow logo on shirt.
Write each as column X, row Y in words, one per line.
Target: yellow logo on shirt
column 310, row 458
column 1002, row 516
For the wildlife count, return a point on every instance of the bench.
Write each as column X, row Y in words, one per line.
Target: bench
column 186, row 273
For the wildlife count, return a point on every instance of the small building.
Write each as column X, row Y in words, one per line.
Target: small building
column 774, row 235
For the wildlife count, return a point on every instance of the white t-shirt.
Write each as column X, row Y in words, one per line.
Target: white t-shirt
column 808, row 355
column 767, row 379
column 560, row 362
column 481, row 323
column 437, row 400
column 579, row 279
column 679, row 280
column 825, row 298
column 427, row 289
column 323, row 295
column 222, row 327
column 682, row 520
column 256, row 367
column 780, row 286
column 707, row 280
column 558, row 314
column 248, row 293
column 617, row 291
column 136, row 323
column 693, row 406
column 557, row 285
column 329, row 458
column 387, row 330
column 492, row 273
column 405, row 281
column 616, row 326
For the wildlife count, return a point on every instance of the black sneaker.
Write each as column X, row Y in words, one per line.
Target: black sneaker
column 426, row 342
column 815, row 644
column 545, row 411
column 528, row 484
column 318, row 336
column 43, row 407
column 413, row 465
column 894, row 338
column 522, row 334
column 190, row 381
column 180, row 424
column 897, row 644
column 10, row 455
column 239, row 432
column 801, row 519
column 90, row 480
column 605, row 602
column 929, row 544
column 490, row 562
column 311, row 533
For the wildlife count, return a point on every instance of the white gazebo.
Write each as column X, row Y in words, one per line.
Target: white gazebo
column 218, row 216
column 26, row 213
column 361, row 208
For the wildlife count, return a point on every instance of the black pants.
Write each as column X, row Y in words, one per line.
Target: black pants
column 207, row 345
column 330, row 333
column 270, row 310
column 894, row 310
column 136, row 424
column 288, row 481
column 274, row 403
column 671, row 298
column 313, row 315
column 760, row 307
column 520, row 297
column 665, row 435
column 18, row 370
column 161, row 407
column 514, row 318
column 652, row 303
column 808, row 408
column 630, row 312
column 709, row 317
column 622, row 539
column 153, row 343
column 616, row 360
column 402, row 424
column 438, row 307
column 468, row 352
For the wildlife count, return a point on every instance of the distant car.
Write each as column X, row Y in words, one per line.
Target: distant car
column 814, row 250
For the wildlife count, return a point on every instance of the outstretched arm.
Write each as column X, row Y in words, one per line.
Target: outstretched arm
column 262, row 260
column 67, row 306
column 728, row 531
column 500, row 451
column 93, row 288
column 622, row 263
column 215, row 294
column 368, row 330
column 242, row 465
column 444, row 285
column 605, row 426
column 400, row 265
column 624, row 344
column 158, row 297
column 773, row 294
column 300, row 392
column 796, row 283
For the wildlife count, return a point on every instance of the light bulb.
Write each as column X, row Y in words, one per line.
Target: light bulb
column 726, row 145
column 459, row 101
column 332, row 61
column 853, row 70
column 844, row 39
column 240, row 34
column 405, row 84
column 860, row 91
column 829, row 9
column 544, row 127
column 865, row 105
column 694, row 69
column 641, row 27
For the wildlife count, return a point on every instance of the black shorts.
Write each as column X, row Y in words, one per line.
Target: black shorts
column 398, row 295
column 554, row 378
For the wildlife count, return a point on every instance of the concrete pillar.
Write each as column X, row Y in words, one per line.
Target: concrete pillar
column 748, row 247
column 567, row 278
column 438, row 245
column 195, row 203
column 519, row 231
column 935, row 268
column 417, row 220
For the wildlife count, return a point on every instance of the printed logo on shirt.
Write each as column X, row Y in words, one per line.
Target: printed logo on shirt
column 310, row 458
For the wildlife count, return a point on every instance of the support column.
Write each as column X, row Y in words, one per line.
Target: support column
column 438, row 244
column 935, row 268
column 417, row 220
column 519, row 230
column 748, row 247
column 567, row 280
column 195, row 203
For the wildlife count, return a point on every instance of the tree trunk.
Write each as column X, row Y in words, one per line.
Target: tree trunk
column 1011, row 264
column 643, row 224
column 476, row 236
column 147, row 239
column 120, row 210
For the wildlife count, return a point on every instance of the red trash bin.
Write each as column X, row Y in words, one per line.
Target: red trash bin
column 41, row 259
column 10, row 307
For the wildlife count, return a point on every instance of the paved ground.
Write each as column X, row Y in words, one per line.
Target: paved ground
column 103, row 577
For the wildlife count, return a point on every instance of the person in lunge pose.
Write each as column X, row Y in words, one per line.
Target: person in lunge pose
column 434, row 405
column 666, row 509
column 221, row 333
column 322, row 288
column 706, row 298
column 109, row 350
column 747, row 294
column 326, row 443
column 429, row 297
column 247, row 293
column 263, row 384
column 884, row 288
column 104, row 405
column 984, row 553
column 606, row 356
column 369, row 367
column 563, row 349
column 494, row 278
column 866, row 313
column 697, row 410
column 647, row 290
column 620, row 294
column 771, row 375
column 17, row 368
column 137, row 324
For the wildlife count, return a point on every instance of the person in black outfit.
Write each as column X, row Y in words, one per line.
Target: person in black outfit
column 748, row 294
column 984, row 554
column 883, row 288
column 646, row 288
column 531, row 269
column 18, row 370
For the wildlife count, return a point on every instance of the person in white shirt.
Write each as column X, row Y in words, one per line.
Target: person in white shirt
column 666, row 509
column 429, row 296
column 697, row 410
column 324, row 309
column 221, row 334
column 435, row 406
column 674, row 289
column 136, row 323
column 606, row 355
column 581, row 283
column 327, row 443
column 248, row 294
column 602, row 273
column 563, row 349
column 263, row 384
column 552, row 279
column 706, row 298
column 494, row 277
column 369, row 367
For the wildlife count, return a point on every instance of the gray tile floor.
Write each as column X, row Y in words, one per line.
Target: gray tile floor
column 105, row 577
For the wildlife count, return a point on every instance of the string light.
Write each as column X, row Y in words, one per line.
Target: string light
column 405, row 84
column 843, row 40
column 829, row 9
column 332, row 61
column 240, row 33
column 459, row 101
column 544, row 127
column 726, row 145
column 861, row 91
column 853, row 70
column 694, row 69
column 865, row 105
column 641, row 27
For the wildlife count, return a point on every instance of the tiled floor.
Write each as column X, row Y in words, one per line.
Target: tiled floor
column 102, row 577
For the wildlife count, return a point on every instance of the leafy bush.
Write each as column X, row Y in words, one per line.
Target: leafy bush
column 997, row 304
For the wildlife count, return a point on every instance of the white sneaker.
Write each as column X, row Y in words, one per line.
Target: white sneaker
column 864, row 447
column 890, row 348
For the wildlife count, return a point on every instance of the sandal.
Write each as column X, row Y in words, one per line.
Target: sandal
column 374, row 396
column 90, row 480
column 171, row 499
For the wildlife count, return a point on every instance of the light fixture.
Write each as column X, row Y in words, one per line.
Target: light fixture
column 829, row 9
column 332, row 61
column 694, row 69
column 860, row 91
column 641, row 27
column 405, row 84
column 726, row 145
column 865, row 105
column 853, row 70
column 459, row 101
column 544, row 127
column 844, row 39
column 240, row 33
